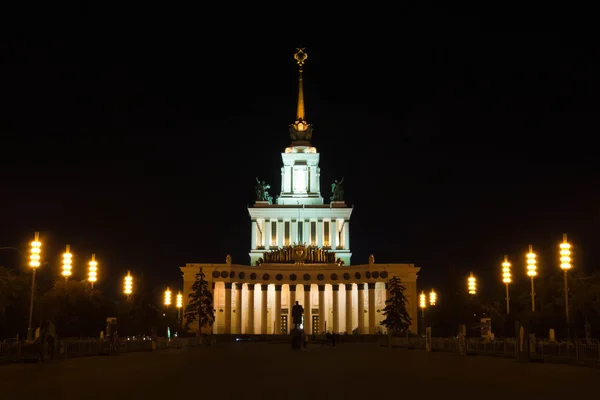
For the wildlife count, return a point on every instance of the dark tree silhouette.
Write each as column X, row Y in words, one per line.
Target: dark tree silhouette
column 200, row 307
column 396, row 316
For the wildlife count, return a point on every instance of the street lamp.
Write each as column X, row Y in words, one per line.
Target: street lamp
column 179, row 305
column 128, row 284
column 565, row 264
column 432, row 297
column 506, row 278
column 167, row 297
column 67, row 263
column 532, row 272
column 34, row 262
column 423, row 304
column 472, row 284
column 93, row 270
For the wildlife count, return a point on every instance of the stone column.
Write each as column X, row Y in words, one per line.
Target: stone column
column 361, row 308
column 347, row 235
column 322, row 310
column 372, row 327
column 307, row 310
column 214, row 327
column 227, row 308
column 294, row 227
column 277, row 324
column 238, row 307
column 267, row 234
column 387, row 297
column 280, row 233
column 292, row 299
column 349, row 308
column 335, row 294
column 334, row 233
column 320, row 232
column 263, row 309
column 254, row 234
column 250, row 318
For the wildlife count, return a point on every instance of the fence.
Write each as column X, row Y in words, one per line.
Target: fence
column 14, row 351
column 587, row 351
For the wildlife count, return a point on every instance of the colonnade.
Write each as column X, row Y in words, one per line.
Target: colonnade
column 233, row 317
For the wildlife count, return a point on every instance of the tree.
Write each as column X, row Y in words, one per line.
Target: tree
column 75, row 308
column 396, row 317
column 14, row 302
column 200, row 307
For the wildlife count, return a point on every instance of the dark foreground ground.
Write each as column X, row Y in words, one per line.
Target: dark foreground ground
column 267, row 371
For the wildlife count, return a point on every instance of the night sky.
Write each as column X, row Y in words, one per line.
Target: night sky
column 458, row 145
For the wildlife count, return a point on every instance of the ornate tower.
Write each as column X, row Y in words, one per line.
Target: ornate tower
column 300, row 215
column 300, row 174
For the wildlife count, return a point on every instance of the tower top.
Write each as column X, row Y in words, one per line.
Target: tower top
column 300, row 130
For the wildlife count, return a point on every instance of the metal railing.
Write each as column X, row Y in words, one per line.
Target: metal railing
column 583, row 351
column 14, row 351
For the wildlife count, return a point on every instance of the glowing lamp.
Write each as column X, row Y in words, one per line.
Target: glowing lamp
column 506, row 276
column 67, row 262
column 93, row 270
column 531, row 263
column 128, row 284
column 422, row 300
column 35, row 252
column 167, row 297
column 472, row 284
column 432, row 297
column 179, row 300
column 565, row 254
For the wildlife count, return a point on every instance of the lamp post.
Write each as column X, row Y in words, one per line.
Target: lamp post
column 532, row 272
column 167, row 297
column 179, row 305
column 565, row 264
column 67, row 263
column 93, row 270
column 34, row 263
column 128, row 289
column 432, row 297
column 423, row 304
column 506, row 278
column 472, row 284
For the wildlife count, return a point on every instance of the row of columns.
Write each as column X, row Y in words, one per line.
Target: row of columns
column 250, row 328
column 335, row 227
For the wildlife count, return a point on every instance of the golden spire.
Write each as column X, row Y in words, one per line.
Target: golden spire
column 300, row 58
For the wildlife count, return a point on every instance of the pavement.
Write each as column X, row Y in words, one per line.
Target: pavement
column 275, row 371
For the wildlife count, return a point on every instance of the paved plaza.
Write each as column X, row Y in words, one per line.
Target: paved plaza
column 275, row 371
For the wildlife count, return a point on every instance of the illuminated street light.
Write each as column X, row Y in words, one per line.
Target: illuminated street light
column 167, row 297
column 565, row 264
column 432, row 297
column 128, row 284
column 179, row 305
column 423, row 304
column 67, row 262
column 35, row 257
column 93, row 270
column 532, row 272
column 506, row 278
column 472, row 284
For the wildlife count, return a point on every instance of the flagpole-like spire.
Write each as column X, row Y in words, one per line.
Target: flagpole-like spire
column 300, row 130
column 300, row 57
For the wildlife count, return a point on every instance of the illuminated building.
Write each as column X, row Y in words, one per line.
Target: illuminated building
column 300, row 251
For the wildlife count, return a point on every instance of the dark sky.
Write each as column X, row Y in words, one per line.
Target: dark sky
column 459, row 140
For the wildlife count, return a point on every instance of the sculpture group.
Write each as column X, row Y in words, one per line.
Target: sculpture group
column 337, row 191
column 262, row 191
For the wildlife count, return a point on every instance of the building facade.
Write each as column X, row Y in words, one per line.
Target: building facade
column 300, row 251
